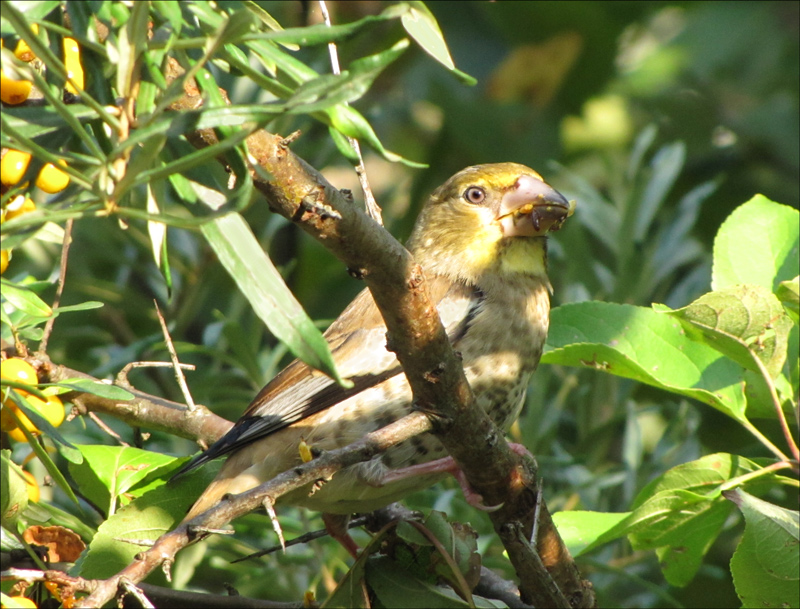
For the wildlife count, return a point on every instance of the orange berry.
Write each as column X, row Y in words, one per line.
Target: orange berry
column 72, row 61
column 51, row 179
column 13, row 166
column 19, row 205
column 5, row 256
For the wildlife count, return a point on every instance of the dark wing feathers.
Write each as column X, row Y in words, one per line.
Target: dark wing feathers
column 357, row 340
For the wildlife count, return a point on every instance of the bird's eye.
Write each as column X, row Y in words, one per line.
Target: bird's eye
column 474, row 195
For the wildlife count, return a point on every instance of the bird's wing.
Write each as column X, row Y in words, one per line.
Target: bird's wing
column 357, row 341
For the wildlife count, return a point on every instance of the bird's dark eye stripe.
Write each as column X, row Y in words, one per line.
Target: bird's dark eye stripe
column 474, row 194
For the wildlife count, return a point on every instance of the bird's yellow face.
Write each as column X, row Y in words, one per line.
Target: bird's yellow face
column 488, row 219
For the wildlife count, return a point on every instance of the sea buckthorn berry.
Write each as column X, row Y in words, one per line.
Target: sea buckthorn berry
column 5, row 257
column 19, row 602
column 19, row 205
column 51, row 179
column 72, row 61
column 33, row 487
column 13, row 166
column 23, row 51
column 14, row 92
column 17, row 369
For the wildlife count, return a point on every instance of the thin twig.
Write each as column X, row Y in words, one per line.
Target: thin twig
column 62, row 275
column 187, row 396
column 776, row 402
column 373, row 209
column 93, row 416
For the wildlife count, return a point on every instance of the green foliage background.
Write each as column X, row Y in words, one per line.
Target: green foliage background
column 690, row 108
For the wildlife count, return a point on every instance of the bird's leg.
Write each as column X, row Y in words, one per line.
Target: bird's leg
column 336, row 525
column 446, row 465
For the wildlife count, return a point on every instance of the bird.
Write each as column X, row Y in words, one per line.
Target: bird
column 481, row 240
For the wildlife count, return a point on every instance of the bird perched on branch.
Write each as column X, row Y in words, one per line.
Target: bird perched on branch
column 481, row 240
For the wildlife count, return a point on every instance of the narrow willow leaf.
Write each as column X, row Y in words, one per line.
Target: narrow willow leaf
column 25, row 300
column 422, row 26
column 257, row 278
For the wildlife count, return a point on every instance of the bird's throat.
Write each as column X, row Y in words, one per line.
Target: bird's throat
column 524, row 256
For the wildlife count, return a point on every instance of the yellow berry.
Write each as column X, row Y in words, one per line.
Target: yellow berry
column 19, row 205
column 5, row 256
column 33, row 487
column 72, row 61
column 7, row 422
column 12, row 91
column 51, row 179
column 52, row 410
column 19, row 602
column 23, row 51
column 17, row 369
column 13, row 166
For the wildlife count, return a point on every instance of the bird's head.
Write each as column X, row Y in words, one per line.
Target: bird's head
column 488, row 219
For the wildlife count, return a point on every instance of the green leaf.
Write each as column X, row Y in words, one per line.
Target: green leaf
column 766, row 564
column 681, row 526
column 583, row 531
column 144, row 520
column 788, row 293
column 667, row 164
column 36, row 121
column 743, row 322
column 422, row 26
column 757, row 243
column 107, row 472
column 641, row 344
column 351, row 122
column 13, row 491
column 257, row 278
column 98, row 388
column 25, row 300
column 394, row 586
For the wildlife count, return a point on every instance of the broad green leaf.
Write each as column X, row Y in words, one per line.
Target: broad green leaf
column 680, row 513
column 141, row 522
column 757, row 243
column 743, row 322
column 681, row 526
column 394, row 586
column 583, row 531
column 13, row 491
column 107, row 472
column 788, row 293
column 766, row 565
column 641, row 344
column 257, row 278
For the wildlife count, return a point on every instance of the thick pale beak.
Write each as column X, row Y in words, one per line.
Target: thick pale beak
column 532, row 208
